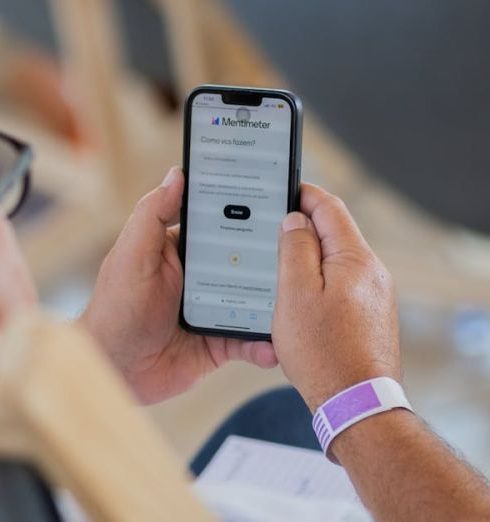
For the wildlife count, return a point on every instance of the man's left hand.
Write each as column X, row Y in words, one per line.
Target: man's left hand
column 135, row 307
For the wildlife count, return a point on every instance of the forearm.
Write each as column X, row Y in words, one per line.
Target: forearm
column 403, row 472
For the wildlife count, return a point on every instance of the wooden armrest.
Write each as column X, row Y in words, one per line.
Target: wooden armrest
column 64, row 409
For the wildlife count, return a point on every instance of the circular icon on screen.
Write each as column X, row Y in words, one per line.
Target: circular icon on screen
column 243, row 114
column 234, row 259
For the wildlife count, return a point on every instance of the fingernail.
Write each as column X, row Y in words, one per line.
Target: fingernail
column 294, row 221
column 170, row 177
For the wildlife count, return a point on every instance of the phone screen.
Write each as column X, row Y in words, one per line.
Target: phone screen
column 238, row 186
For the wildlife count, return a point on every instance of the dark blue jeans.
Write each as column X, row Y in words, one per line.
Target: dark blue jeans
column 276, row 416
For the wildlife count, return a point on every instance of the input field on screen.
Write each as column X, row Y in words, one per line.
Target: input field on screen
column 237, row 162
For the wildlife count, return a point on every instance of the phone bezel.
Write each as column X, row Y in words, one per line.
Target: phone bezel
column 293, row 184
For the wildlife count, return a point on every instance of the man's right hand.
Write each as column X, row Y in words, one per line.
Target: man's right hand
column 335, row 322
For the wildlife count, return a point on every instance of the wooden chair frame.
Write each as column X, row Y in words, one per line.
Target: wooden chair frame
column 63, row 408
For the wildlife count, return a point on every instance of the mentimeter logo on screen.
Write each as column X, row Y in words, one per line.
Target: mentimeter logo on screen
column 230, row 122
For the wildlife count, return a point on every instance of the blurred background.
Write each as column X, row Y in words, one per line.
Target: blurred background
column 397, row 123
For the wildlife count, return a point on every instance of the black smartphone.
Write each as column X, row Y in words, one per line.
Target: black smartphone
column 242, row 166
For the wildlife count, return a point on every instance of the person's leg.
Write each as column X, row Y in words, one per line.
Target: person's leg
column 277, row 416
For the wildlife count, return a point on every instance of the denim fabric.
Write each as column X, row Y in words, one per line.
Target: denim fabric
column 276, row 416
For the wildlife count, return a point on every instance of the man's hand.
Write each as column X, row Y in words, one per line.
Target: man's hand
column 335, row 322
column 134, row 310
column 17, row 290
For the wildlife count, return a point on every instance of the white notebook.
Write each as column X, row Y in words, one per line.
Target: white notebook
column 255, row 481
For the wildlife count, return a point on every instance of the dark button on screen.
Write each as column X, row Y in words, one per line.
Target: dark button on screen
column 236, row 212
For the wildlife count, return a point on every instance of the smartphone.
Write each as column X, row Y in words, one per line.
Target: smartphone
column 242, row 166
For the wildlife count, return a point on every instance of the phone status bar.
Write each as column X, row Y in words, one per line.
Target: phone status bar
column 215, row 102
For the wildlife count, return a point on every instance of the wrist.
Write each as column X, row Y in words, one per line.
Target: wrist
column 317, row 395
column 86, row 322
column 371, row 433
column 354, row 405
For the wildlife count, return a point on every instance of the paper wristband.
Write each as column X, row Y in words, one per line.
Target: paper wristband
column 355, row 404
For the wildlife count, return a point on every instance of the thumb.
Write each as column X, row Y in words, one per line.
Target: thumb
column 143, row 237
column 299, row 253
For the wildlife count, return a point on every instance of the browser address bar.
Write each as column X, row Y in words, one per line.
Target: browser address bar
column 239, row 302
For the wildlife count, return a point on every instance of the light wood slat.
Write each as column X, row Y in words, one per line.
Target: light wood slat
column 63, row 407
column 94, row 65
column 187, row 42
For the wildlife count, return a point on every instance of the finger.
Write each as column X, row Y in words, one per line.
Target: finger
column 299, row 253
column 335, row 226
column 173, row 235
column 143, row 237
column 259, row 353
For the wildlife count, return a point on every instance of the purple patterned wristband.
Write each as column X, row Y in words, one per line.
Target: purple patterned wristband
column 355, row 404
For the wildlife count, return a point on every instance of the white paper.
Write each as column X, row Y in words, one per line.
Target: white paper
column 255, row 481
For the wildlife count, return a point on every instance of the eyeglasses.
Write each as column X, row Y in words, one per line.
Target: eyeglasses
column 15, row 162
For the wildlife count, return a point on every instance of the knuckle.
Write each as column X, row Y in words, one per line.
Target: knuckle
column 301, row 242
column 377, row 277
column 370, row 279
column 151, row 200
column 336, row 202
column 383, row 280
column 143, row 203
column 296, row 242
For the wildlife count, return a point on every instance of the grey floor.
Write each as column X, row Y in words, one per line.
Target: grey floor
column 405, row 84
